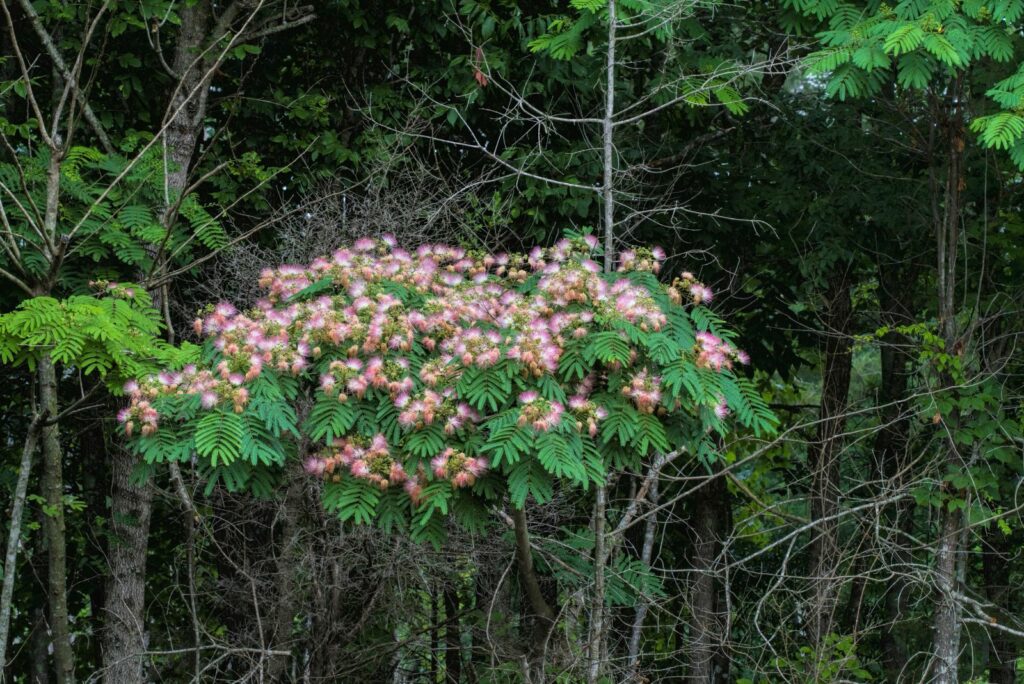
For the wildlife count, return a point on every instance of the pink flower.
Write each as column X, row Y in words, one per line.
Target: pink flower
column 314, row 466
column 414, row 489
column 439, row 464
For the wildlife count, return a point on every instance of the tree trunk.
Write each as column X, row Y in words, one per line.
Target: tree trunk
column 644, row 604
column 289, row 568
column 542, row 616
column 597, row 608
column 53, row 495
column 947, row 610
column 824, row 455
column 14, row 535
column 40, row 647
column 595, row 638
column 709, row 622
column 946, row 622
column 188, row 101
column 608, row 144
column 124, row 634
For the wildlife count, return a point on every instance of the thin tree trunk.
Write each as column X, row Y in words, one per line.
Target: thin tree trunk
column 597, row 610
column 124, row 635
column 289, row 567
column 608, row 143
column 435, row 636
column 946, row 622
column 40, row 647
column 14, row 535
column 644, row 604
column 947, row 611
column 542, row 615
column 824, row 456
column 707, row 631
column 597, row 604
column 53, row 524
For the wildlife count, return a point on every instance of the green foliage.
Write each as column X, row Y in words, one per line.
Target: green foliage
column 219, row 437
column 931, row 43
column 115, row 336
column 109, row 208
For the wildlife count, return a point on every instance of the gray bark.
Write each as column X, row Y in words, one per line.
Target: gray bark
column 644, row 604
column 541, row 614
column 54, row 526
column 597, row 626
column 124, row 635
column 946, row 623
column 14, row 535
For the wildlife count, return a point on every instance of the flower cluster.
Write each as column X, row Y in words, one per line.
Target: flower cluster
column 539, row 413
column 367, row 459
column 458, row 468
column 644, row 389
column 686, row 286
column 587, row 413
column 642, row 260
column 113, row 289
column 713, row 352
column 352, row 376
column 212, row 389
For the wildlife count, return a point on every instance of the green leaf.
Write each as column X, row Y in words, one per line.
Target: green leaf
column 914, row 71
column 310, row 291
column 871, row 57
column 904, row 39
column 650, row 434
column 607, row 347
column 259, row 445
column 940, row 47
column 330, row 419
column 219, row 437
column 529, row 478
column 1001, row 130
column 425, row 443
column 562, row 456
column 506, row 443
column 352, row 499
